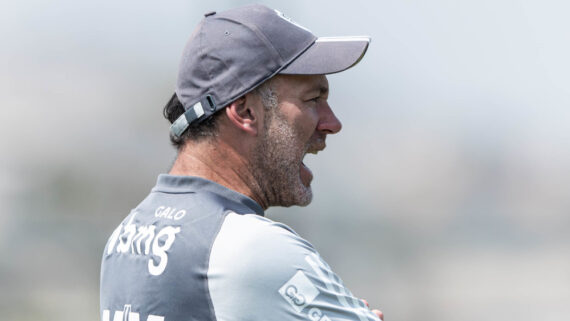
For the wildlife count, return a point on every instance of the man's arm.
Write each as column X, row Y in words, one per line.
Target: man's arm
column 262, row 270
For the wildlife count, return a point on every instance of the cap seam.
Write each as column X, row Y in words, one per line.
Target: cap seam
column 203, row 56
column 224, row 104
column 264, row 39
column 203, row 59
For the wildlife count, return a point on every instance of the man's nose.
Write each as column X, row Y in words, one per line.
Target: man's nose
column 328, row 122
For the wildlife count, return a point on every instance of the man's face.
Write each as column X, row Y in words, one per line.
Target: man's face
column 297, row 126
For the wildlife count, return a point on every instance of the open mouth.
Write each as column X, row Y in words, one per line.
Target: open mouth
column 305, row 171
column 306, row 175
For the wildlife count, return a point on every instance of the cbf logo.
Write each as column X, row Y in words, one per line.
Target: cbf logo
column 292, row 293
column 299, row 291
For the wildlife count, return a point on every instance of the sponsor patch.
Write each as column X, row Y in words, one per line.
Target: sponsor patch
column 299, row 291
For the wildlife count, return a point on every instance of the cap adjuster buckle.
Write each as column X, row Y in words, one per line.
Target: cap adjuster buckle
column 194, row 113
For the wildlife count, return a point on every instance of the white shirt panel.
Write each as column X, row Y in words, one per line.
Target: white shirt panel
column 262, row 270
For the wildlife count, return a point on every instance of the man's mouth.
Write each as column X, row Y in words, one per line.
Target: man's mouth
column 316, row 146
column 306, row 175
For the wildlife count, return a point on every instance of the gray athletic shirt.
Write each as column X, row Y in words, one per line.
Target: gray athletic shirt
column 195, row 250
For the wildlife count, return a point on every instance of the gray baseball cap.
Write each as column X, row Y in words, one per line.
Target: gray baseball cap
column 232, row 52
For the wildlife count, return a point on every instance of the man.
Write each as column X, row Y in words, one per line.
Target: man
column 250, row 103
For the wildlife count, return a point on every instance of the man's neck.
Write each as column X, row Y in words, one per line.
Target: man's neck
column 220, row 164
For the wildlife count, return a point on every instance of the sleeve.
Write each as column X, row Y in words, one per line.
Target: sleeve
column 262, row 270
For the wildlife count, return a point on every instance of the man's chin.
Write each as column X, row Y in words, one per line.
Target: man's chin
column 305, row 197
column 302, row 196
column 307, row 202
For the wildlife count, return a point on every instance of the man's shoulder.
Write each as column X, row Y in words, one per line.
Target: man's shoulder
column 252, row 258
column 259, row 234
column 262, row 270
column 254, row 246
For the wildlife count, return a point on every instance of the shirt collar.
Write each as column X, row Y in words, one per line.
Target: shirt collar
column 189, row 184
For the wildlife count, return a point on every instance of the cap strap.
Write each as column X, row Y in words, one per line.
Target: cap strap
column 193, row 114
column 182, row 123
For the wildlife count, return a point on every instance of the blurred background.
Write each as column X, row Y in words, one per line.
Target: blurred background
column 446, row 196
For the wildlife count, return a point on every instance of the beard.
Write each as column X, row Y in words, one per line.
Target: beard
column 277, row 163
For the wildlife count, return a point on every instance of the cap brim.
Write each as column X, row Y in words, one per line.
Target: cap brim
column 328, row 55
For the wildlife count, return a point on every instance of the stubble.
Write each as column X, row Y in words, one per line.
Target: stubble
column 277, row 161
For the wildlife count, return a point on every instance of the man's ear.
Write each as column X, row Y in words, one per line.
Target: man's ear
column 243, row 115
